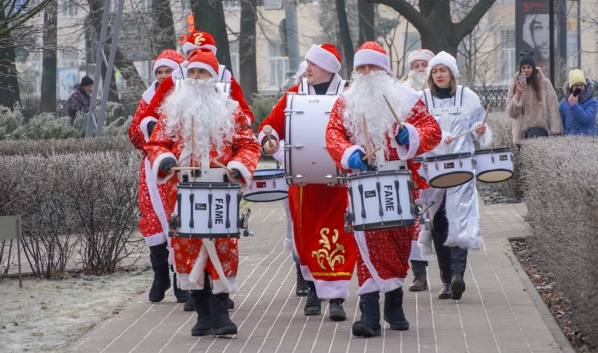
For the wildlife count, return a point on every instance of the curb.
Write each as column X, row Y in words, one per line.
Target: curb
column 550, row 321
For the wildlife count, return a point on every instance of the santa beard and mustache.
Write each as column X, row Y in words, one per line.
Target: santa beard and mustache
column 213, row 124
column 417, row 80
column 366, row 98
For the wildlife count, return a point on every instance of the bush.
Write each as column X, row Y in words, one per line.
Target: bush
column 261, row 108
column 562, row 211
column 51, row 147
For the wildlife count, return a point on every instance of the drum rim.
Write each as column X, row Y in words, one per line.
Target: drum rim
column 419, row 159
column 445, row 174
column 495, row 170
column 395, row 224
column 208, row 185
column 379, row 172
column 207, row 236
column 280, row 173
column 247, row 196
column 443, row 157
column 494, row 150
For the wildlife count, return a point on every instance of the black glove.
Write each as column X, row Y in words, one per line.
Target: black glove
column 150, row 128
column 167, row 164
column 237, row 174
column 577, row 92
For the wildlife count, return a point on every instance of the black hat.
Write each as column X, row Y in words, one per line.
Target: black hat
column 86, row 81
column 527, row 58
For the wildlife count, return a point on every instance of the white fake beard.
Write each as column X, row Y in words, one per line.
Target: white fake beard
column 213, row 124
column 365, row 97
column 417, row 80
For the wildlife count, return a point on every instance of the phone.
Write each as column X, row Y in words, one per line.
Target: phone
column 521, row 77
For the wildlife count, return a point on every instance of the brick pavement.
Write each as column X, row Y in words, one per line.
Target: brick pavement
column 498, row 312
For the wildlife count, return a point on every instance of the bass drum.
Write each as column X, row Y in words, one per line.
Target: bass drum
column 306, row 159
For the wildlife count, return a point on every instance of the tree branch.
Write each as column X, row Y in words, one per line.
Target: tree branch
column 407, row 10
column 473, row 17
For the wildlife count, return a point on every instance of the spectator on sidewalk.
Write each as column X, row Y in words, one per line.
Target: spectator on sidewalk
column 578, row 109
column 79, row 99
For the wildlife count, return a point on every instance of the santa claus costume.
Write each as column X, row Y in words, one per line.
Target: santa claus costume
column 153, row 220
column 417, row 79
column 197, row 40
column 455, row 214
column 219, row 132
column 382, row 263
column 318, row 226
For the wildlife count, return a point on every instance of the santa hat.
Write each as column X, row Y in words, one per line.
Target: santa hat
column 198, row 39
column 169, row 58
column 446, row 59
column 371, row 53
column 325, row 56
column 420, row 54
column 204, row 59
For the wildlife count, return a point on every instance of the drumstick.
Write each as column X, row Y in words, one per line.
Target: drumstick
column 268, row 131
column 185, row 168
column 367, row 156
column 477, row 127
column 393, row 113
column 192, row 141
column 487, row 110
column 222, row 166
column 367, row 139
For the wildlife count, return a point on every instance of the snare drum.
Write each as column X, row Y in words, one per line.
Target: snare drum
column 381, row 200
column 449, row 170
column 267, row 185
column 494, row 165
column 423, row 168
column 208, row 210
column 306, row 159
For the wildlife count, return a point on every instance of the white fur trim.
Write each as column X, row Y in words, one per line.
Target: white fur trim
column 186, row 284
column 486, row 138
column 332, row 289
column 348, row 152
column 154, row 195
column 421, row 54
column 307, row 273
column 188, row 48
column 372, row 57
column 288, row 244
column 149, row 93
column 221, row 286
column 200, row 65
column 409, row 95
column 279, row 154
column 143, row 127
column 408, row 151
column 156, row 167
column 446, row 59
column 171, row 64
column 416, row 253
column 156, row 239
column 323, row 58
column 262, row 136
column 247, row 176
column 425, row 245
column 226, row 75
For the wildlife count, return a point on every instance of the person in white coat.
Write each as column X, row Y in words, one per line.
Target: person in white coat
column 455, row 214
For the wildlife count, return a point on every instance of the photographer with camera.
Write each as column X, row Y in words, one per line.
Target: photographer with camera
column 578, row 110
column 532, row 102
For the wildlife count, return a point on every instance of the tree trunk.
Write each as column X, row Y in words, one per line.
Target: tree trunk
column 9, row 83
column 345, row 35
column 49, row 71
column 247, row 39
column 366, row 21
column 209, row 17
column 164, row 34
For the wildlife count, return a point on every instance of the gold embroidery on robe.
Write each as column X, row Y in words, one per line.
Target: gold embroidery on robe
column 326, row 252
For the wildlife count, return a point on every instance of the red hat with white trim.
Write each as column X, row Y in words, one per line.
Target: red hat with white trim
column 325, row 56
column 204, row 59
column 198, row 39
column 169, row 58
column 371, row 53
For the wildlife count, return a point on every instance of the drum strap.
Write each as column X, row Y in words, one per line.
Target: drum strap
column 221, row 71
column 178, row 82
column 383, row 164
column 304, row 87
column 444, row 112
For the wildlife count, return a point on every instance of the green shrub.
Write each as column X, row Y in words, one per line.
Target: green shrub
column 262, row 107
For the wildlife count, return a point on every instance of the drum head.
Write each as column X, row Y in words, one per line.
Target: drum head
column 450, row 180
column 495, row 176
column 268, row 173
column 267, row 196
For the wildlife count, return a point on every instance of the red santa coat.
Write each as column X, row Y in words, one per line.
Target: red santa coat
column 383, row 258
column 153, row 220
column 327, row 253
column 243, row 154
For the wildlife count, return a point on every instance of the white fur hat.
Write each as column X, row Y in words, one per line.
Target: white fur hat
column 446, row 59
column 325, row 56
column 420, row 54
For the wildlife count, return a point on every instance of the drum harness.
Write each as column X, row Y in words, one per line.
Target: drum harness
column 445, row 123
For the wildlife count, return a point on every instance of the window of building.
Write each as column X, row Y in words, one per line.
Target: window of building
column 145, row 5
column 231, row 4
column 70, row 58
column 506, row 56
column 413, row 42
column 234, row 59
column 272, row 4
column 277, row 64
column 67, row 8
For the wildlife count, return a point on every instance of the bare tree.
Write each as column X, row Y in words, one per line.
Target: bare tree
column 367, row 17
column 345, row 34
column 247, row 46
column 49, row 70
column 209, row 17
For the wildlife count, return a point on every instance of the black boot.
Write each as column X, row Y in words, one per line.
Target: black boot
column 302, row 289
column 369, row 325
column 201, row 303
column 445, row 292
column 457, row 287
column 221, row 322
column 159, row 260
column 337, row 312
column 393, row 310
column 231, row 304
column 313, row 304
column 182, row 296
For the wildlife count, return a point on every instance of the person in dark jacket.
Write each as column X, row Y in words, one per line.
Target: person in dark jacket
column 578, row 110
column 79, row 100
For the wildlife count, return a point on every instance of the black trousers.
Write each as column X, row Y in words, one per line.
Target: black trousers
column 452, row 260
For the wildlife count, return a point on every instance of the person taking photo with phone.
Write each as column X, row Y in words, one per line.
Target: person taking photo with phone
column 578, row 109
column 532, row 102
